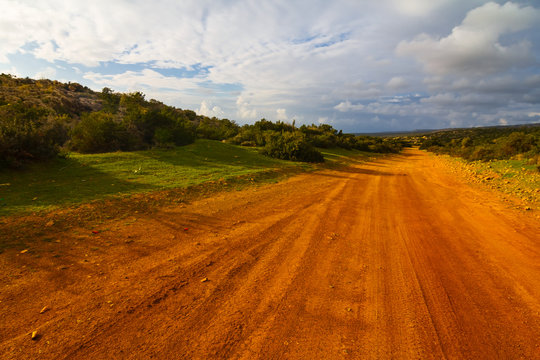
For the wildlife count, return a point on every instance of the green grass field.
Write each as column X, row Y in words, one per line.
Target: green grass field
column 82, row 178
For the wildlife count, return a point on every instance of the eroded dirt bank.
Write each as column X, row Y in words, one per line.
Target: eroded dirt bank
column 389, row 259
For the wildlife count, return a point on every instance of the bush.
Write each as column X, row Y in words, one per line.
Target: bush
column 215, row 129
column 163, row 137
column 290, row 146
column 249, row 135
column 99, row 132
column 517, row 143
column 29, row 134
column 483, row 153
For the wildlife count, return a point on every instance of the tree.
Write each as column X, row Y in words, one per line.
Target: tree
column 99, row 132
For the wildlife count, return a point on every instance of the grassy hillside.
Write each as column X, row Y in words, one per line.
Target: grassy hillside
column 84, row 177
column 81, row 178
column 41, row 119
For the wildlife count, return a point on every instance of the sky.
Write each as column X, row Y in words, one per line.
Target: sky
column 358, row 65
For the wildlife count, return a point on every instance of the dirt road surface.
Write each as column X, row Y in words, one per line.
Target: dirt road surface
column 391, row 259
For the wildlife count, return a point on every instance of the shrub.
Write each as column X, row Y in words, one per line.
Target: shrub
column 483, row 153
column 290, row 146
column 466, row 142
column 29, row 134
column 110, row 100
column 163, row 137
column 249, row 135
column 99, row 132
column 181, row 131
column 215, row 129
column 517, row 143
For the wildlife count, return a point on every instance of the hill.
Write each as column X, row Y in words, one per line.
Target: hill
column 40, row 119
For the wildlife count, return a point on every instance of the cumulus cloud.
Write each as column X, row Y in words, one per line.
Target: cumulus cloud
column 244, row 109
column 475, row 47
column 209, row 110
column 346, row 106
column 281, row 114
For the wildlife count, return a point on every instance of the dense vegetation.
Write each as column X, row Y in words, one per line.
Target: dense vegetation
column 288, row 142
column 41, row 119
column 490, row 143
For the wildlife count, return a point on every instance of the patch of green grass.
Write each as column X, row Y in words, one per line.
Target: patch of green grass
column 85, row 177
column 511, row 168
column 82, row 178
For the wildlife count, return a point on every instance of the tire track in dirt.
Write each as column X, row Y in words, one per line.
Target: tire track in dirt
column 277, row 241
column 395, row 258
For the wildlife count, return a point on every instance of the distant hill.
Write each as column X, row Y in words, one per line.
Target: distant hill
column 421, row 132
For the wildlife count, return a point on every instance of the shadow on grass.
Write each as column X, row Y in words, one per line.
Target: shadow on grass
column 58, row 183
column 209, row 153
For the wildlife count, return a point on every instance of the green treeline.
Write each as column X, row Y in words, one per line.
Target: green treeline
column 41, row 119
column 288, row 142
column 490, row 143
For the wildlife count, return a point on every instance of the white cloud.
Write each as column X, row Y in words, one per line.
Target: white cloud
column 417, row 7
column 244, row 109
column 302, row 56
column 397, row 83
column 180, row 92
column 346, row 106
column 140, row 80
column 209, row 110
column 47, row 73
column 474, row 47
column 281, row 114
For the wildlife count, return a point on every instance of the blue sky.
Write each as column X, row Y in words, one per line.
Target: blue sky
column 359, row 65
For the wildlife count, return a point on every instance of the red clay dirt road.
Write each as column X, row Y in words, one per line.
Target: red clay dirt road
column 392, row 259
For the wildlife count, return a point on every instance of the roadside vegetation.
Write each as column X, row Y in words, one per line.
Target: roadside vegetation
column 487, row 144
column 87, row 190
column 44, row 119
column 83, row 178
column 504, row 158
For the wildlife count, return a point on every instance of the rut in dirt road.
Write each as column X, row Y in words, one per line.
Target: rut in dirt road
column 389, row 259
